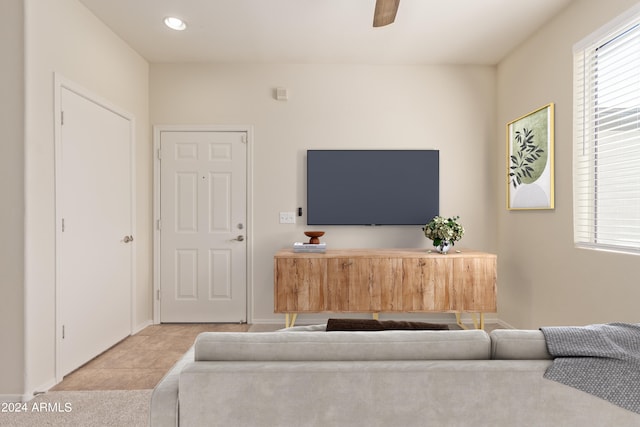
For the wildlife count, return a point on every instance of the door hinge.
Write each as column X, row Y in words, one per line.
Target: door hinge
column 61, row 117
column 159, row 224
column 159, row 154
column 244, row 138
column 63, row 225
column 62, row 331
column 158, row 294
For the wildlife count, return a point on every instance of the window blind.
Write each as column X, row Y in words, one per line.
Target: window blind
column 606, row 167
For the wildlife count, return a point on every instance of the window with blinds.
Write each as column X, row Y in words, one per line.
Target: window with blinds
column 606, row 167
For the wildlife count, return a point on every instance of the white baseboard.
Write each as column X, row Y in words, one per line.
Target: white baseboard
column 11, row 398
column 29, row 394
column 504, row 324
column 141, row 326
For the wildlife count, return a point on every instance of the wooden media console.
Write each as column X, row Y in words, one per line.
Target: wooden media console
column 385, row 280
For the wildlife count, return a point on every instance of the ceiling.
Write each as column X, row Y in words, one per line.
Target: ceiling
column 326, row 31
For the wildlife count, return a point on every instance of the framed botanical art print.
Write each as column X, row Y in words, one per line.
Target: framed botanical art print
column 530, row 160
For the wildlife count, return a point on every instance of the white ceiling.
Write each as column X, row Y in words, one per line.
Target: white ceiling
column 326, row 31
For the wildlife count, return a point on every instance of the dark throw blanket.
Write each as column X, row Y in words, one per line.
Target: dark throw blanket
column 603, row 360
column 380, row 325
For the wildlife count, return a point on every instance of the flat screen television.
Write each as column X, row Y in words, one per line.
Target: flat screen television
column 372, row 187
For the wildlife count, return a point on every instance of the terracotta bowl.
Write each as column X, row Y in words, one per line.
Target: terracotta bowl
column 314, row 236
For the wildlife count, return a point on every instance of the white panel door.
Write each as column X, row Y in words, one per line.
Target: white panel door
column 203, row 187
column 94, row 230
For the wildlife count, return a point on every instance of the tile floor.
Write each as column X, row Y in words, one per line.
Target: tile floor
column 141, row 360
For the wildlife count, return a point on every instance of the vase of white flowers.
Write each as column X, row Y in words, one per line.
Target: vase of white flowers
column 444, row 232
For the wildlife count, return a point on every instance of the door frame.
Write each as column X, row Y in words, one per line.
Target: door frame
column 157, row 131
column 61, row 82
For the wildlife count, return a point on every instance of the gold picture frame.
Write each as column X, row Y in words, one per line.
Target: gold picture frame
column 530, row 160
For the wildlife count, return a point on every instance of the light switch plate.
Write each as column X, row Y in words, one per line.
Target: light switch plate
column 287, row 218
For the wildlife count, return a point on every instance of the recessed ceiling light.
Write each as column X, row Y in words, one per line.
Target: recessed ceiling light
column 175, row 23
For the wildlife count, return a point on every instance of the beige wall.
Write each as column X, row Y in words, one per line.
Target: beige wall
column 543, row 279
column 341, row 106
column 12, row 193
column 460, row 110
column 65, row 38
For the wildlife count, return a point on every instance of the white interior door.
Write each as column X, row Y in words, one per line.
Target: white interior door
column 94, row 211
column 203, row 210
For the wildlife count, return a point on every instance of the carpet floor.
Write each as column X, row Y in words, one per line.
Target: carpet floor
column 117, row 408
column 140, row 361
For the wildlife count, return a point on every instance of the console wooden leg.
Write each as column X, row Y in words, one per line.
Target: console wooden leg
column 473, row 318
column 290, row 319
column 459, row 321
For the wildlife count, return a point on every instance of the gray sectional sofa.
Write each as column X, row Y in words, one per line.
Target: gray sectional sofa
column 306, row 377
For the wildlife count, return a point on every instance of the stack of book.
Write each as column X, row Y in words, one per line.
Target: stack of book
column 309, row 247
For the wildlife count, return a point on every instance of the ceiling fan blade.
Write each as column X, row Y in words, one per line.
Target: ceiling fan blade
column 385, row 12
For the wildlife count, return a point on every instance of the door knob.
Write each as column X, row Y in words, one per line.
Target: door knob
column 128, row 239
column 240, row 238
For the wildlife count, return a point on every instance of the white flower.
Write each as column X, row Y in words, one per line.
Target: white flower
column 440, row 229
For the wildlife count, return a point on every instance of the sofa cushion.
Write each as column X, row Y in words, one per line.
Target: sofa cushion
column 514, row 344
column 305, row 328
column 337, row 346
